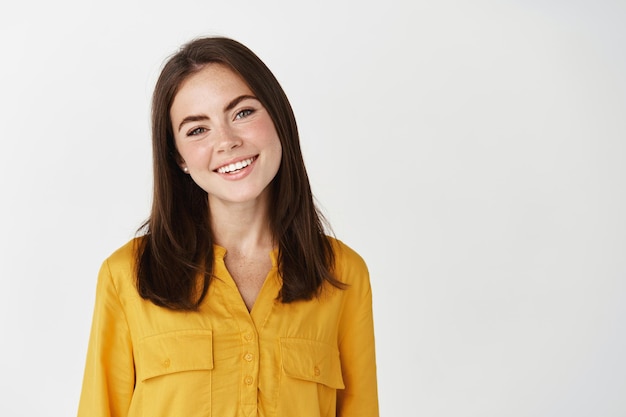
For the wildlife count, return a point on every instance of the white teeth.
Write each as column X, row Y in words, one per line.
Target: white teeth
column 235, row 167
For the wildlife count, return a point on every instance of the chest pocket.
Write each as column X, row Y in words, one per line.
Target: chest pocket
column 310, row 360
column 173, row 352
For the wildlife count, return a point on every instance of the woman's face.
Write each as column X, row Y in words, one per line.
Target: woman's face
column 226, row 139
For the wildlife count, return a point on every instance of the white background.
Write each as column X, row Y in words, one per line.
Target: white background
column 474, row 153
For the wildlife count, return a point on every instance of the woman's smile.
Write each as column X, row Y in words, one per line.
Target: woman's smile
column 235, row 167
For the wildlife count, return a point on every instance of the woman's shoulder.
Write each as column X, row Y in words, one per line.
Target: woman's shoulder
column 121, row 262
column 349, row 265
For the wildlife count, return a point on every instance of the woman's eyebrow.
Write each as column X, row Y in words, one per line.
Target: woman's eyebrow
column 192, row 118
column 238, row 100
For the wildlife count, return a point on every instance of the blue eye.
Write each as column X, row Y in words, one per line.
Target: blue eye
column 196, row 131
column 244, row 113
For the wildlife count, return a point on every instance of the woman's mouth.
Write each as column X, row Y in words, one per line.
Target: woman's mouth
column 236, row 166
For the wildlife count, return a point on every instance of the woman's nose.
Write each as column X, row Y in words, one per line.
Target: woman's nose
column 227, row 140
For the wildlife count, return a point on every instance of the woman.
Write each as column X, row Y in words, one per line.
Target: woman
column 233, row 301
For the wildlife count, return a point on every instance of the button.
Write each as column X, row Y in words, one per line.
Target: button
column 316, row 370
column 248, row 357
column 166, row 363
column 249, row 380
column 248, row 336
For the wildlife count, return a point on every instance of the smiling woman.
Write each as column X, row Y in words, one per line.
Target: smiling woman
column 232, row 300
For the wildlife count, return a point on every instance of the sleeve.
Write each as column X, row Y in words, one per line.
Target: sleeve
column 109, row 377
column 357, row 349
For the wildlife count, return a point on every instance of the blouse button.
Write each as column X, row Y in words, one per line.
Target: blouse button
column 166, row 363
column 317, row 371
column 248, row 336
column 249, row 380
column 248, row 357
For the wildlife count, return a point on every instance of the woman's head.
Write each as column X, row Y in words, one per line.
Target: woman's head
column 172, row 186
column 225, row 138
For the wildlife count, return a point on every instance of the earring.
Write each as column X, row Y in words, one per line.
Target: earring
column 186, row 170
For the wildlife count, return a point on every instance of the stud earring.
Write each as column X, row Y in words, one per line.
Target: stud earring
column 186, row 170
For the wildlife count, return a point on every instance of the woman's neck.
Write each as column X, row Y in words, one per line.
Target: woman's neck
column 241, row 228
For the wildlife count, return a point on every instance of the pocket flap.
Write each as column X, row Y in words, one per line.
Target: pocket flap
column 162, row 354
column 311, row 360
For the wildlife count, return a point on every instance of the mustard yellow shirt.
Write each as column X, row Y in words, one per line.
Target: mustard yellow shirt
column 303, row 359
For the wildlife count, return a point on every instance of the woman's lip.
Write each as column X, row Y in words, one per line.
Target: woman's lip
column 236, row 164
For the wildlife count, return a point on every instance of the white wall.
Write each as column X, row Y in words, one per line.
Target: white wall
column 473, row 152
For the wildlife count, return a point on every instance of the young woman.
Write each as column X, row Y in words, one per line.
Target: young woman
column 232, row 301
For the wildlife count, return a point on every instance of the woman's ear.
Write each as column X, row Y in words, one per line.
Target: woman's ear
column 181, row 163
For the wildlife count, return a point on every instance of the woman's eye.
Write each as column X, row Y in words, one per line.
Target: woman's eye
column 196, row 131
column 244, row 113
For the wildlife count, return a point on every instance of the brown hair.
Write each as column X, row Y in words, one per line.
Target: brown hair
column 175, row 257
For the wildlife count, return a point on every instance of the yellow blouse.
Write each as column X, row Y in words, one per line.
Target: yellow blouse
column 303, row 359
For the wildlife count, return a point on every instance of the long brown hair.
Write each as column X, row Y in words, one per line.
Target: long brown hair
column 175, row 257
